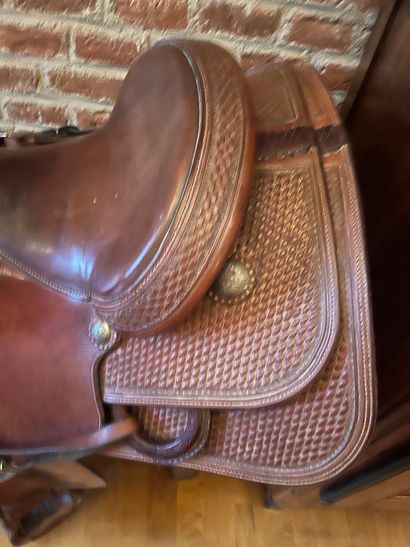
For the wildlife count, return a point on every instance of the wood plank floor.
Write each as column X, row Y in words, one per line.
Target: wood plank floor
column 144, row 507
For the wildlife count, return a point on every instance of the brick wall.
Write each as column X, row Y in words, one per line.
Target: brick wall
column 62, row 61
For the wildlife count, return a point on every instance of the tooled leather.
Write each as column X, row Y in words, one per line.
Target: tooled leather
column 216, row 187
column 281, row 109
column 162, row 422
column 187, row 441
column 316, row 99
column 316, row 434
column 271, row 344
column 320, row 431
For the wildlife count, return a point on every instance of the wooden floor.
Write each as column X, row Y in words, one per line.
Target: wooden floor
column 144, row 507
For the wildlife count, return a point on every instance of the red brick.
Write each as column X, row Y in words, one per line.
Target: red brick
column 86, row 119
column 18, row 79
column 319, row 33
column 31, row 41
column 256, row 21
column 88, row 86
column 113, row 52
column 159, row 14
column 48, row 115
column 56, row 6
column 336, row 77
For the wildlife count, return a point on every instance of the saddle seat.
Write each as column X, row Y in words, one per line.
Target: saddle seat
column 139, row 216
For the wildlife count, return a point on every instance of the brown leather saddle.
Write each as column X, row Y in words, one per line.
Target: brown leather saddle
column 170, row 295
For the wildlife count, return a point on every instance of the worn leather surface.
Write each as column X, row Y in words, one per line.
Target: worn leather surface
column 48, row 381
column 139, row 216
column 317, row 432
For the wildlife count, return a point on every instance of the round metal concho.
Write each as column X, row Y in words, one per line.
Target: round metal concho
column 235, row 281
column 100, row 332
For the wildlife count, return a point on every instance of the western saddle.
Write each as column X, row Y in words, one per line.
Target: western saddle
column 185, row 286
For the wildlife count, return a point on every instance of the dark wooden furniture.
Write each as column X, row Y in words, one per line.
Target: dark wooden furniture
column 379, row 129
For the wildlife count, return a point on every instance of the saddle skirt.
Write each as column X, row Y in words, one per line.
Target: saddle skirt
column 270, row 378
column 286, row 367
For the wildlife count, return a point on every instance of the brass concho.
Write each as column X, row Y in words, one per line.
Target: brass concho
column 235, row 281
column 100, row 333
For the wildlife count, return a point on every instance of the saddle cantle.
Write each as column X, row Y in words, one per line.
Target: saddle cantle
column 270, row 377
column 139, row 216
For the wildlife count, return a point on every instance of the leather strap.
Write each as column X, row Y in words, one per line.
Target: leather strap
column 16, row 461
column 32, row 518
column 299, row 139
column 39, row 499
